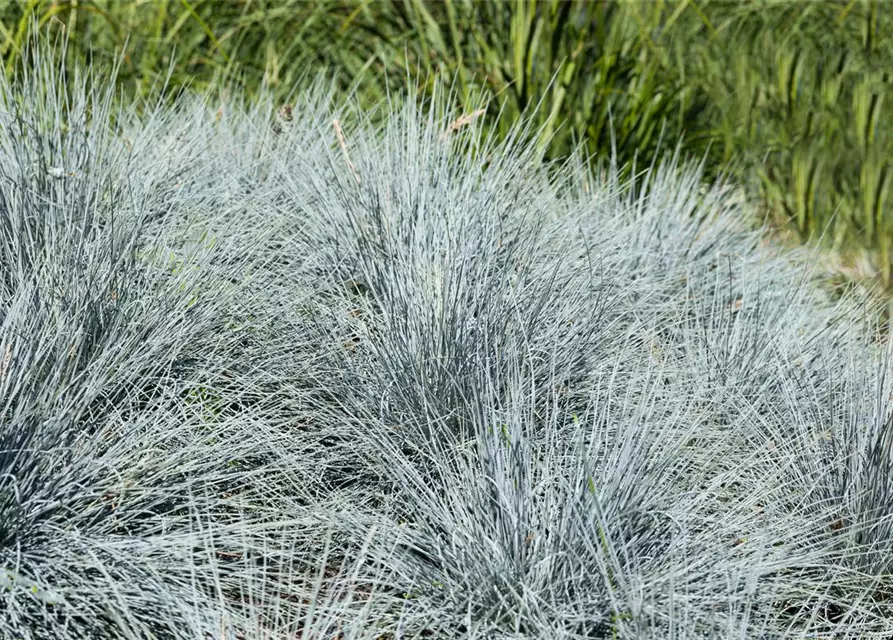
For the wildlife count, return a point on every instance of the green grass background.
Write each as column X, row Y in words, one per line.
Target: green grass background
column 789, row 98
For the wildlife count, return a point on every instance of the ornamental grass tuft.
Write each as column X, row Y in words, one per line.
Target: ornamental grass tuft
column 390, row 375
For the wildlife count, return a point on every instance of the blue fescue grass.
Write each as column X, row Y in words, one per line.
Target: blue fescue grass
column 297, row 372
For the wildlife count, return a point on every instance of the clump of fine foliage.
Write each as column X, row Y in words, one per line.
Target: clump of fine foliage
column 304, row 371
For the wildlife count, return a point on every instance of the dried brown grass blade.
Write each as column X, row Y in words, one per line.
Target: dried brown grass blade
column 343, row 144
column 462, row 121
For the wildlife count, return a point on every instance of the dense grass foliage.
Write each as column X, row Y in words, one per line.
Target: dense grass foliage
column 803, row 111
column 305, row 371
column 790, row 96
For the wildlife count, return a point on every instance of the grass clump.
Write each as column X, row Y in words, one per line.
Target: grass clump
column 308, row 371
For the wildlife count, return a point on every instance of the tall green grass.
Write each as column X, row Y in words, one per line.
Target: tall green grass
column 799, row 103
column 790, row 97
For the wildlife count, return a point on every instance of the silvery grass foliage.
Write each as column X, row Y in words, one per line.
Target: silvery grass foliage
column 282, row 372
